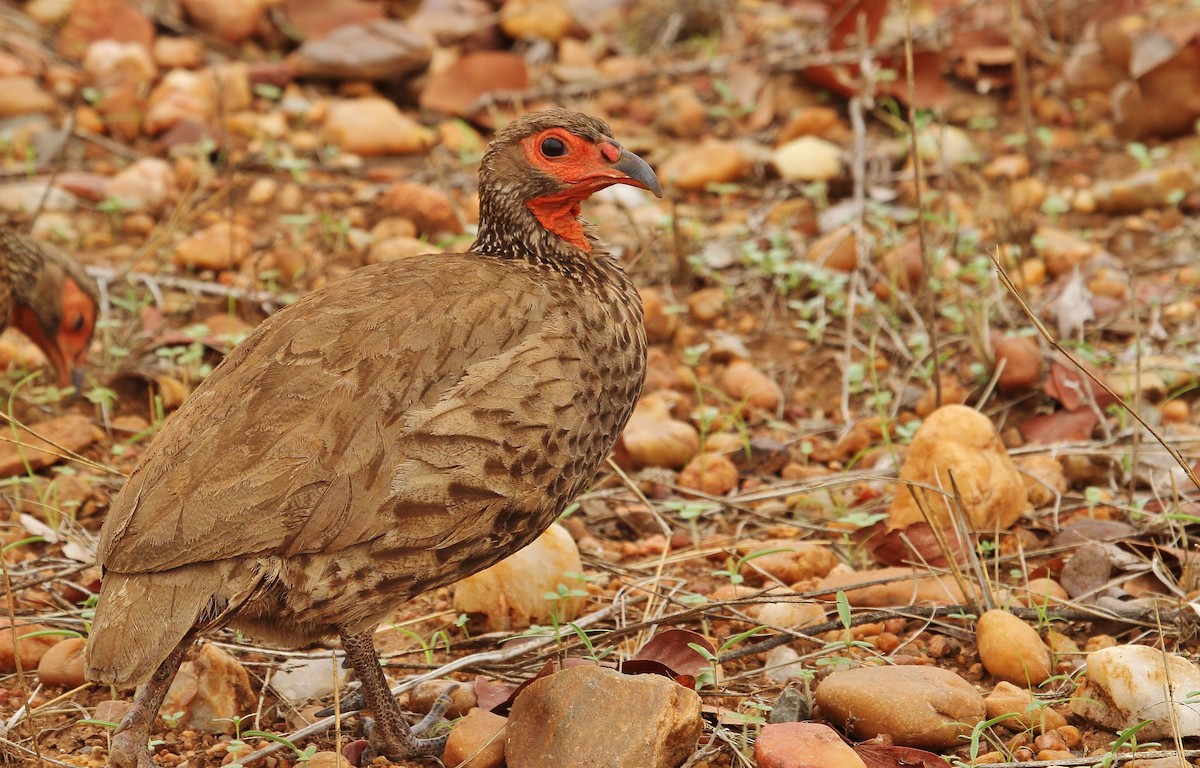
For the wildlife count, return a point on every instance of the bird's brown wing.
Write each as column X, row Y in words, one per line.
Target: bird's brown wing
column 291, row 445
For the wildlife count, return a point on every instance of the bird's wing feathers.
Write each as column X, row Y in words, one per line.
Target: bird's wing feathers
column 286, row 447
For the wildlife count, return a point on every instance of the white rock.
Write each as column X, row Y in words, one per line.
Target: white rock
column 808, row 158
column 149, row 184
column 209, row 691
column 26, row 196
column 512, row 593
column 1127, row 684
column 947, row 145
column 301, row 680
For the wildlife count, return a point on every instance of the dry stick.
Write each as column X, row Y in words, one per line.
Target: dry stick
column 927, row 612
column 1021, row 74
column 1041, row 328
column 65, row 453
column 651, row 602
column 513, row 651
column 919, row 186
column 1094, row 760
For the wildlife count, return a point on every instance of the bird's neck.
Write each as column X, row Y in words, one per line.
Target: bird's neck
column 541, row 231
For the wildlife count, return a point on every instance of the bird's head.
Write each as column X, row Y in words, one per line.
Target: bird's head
column 57, row 311
column 549, row 162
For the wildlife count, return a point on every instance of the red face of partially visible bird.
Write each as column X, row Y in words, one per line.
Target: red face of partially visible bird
column 584, row 166
column 62, row 331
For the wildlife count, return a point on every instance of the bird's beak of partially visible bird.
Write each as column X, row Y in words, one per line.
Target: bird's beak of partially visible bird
column 637, row 170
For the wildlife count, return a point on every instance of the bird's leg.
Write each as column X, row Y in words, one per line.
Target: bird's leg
column 390, row 734
column 129, row 748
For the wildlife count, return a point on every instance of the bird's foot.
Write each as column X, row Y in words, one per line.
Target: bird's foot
column 397, row 739
column 128, row 750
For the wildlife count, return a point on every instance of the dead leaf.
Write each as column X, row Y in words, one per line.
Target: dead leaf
column 672, row 648
column 879, row 752
column 1059, row 427
column 455, row 89
column 73, row 432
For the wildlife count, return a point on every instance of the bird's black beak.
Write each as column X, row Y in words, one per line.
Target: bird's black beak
column 77, row 381
column 638, row 171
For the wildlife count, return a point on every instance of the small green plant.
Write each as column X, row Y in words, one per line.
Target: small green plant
column 733, row 566
column 1126, row 739
column 709, row 675
column 302, row 755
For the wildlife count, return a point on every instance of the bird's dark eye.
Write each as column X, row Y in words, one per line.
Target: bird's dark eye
column 77, row 324
column 553, row 147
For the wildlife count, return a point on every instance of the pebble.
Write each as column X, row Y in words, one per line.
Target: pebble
column 462, row 698
column 26, row 196
column 1040, row 592
column 512, row 593
column 712, row 161
column 808, row 158
column 837, row 250
column 62, row 664
column 30, row 650
column 210, row 690
column 1127, row 684
column 327, row 759
column 539, row 19
column 262, row 191
column 803, row 745
column 648, row 721
column 900, row 585
column 708, row 304
column 1023, row 363
column 925, row 707
column 813, row 121
column 428, row 208
column 92, row 20
column 747, row 385
column 231, row 20
column 946, row 146
column 478, row 737
column 178, row 52
column 652, row 438
column 455, row 89
column 218, row 247
column 148, row 184
column 659, row 321
column 23, row 96
column 110, row 64
column 48, row 13
column 682, row 114
column 383, row 49
column 181, row 95
column 1060, row 249
column 397, row 248
column 792, row 561
column 299, row 681
column 373, row 126
column 710, row 473
column 1023, row 710
column 1011, row 649
column 959, row 439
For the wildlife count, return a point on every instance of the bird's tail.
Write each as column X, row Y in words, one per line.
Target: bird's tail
column 142, row 617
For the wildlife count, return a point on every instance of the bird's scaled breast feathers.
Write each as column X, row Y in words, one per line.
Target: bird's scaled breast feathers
column 457, row 372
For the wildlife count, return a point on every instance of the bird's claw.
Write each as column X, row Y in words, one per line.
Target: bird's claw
column 406, row 741
column 128, row 750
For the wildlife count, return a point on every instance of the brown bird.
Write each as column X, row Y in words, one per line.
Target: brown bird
column 48, row 296
column 396, row 431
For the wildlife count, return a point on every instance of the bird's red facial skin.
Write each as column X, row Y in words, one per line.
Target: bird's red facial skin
column 68, row 348
column 78, row 322
column 585, row 167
